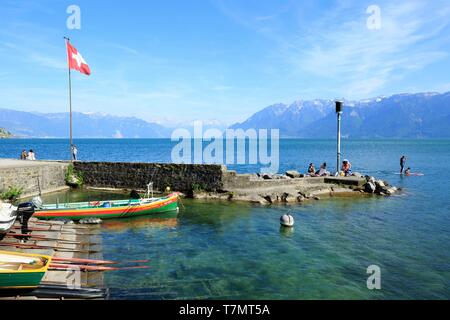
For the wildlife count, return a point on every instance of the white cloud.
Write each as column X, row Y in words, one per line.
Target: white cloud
column 333, row 46
column 368, row 60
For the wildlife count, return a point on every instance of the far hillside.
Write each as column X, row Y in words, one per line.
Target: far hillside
column 5, row 133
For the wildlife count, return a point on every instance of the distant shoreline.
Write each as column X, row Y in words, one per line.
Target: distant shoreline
column 5, row 134
column 13, row 137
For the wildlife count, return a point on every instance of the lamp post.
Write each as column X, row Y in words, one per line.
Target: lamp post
column 339, row 107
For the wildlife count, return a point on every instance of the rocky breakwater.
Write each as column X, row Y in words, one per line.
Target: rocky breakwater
column 294, row 187
column 379, row 187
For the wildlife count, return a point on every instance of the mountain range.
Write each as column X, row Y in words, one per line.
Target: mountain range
column 420, row 115
column 56, row 125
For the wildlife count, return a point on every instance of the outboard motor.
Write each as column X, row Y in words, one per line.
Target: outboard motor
column 37, row 202
column 26, row 210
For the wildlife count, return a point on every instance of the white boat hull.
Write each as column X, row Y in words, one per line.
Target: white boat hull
column 8, row 215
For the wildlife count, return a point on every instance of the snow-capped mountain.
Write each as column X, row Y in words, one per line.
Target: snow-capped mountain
column 421, row 115
column 92, row 125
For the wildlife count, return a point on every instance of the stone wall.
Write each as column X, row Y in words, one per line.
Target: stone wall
column 126, row 175
column 25, row 175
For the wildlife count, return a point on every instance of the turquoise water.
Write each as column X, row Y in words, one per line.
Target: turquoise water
column 228, row 250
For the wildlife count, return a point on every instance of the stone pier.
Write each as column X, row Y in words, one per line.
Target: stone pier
column 194, row 180
column 49, row 176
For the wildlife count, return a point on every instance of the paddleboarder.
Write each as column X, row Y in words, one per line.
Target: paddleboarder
column 402, row 164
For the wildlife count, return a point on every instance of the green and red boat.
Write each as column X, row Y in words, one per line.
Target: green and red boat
column 111, row 209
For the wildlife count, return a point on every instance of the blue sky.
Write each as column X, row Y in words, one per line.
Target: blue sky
column 176, row 61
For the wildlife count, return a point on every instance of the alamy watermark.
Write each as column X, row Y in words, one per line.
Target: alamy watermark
column 73, row 278
column 74, row 20
column 234, row 146
column 374, row 20
column 374, row 280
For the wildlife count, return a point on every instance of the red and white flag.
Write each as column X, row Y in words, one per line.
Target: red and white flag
column 76, row 61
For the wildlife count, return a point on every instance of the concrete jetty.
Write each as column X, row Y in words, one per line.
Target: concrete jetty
column 62, row 241
column 49, row 176
column 269, row 189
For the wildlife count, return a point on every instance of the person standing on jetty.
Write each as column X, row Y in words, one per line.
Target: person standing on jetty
column 74, row 152
column 402, row 164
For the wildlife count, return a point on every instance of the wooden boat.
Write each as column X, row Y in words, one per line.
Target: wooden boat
column 8, row 215
column 22, row 271
column 108, row 209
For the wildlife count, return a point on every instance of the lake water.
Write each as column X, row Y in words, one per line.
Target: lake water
column 235, row 250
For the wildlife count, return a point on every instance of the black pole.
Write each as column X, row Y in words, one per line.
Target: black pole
column 339, row 106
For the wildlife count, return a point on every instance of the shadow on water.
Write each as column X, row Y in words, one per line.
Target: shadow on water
column 214, row 214
column 160, row 220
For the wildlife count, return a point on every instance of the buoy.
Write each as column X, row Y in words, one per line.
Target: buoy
column 287, row 220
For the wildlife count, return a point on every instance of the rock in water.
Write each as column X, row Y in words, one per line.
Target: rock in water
column 380, row 183
column 90, row 221
column 380, row 186
column 370, row 187
column 287, row 220
column 391, row 191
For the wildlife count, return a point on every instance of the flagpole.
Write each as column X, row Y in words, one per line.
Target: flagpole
column 70, row 103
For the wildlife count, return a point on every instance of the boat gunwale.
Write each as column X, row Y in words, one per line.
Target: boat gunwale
column 43, row 269
column 141, row 203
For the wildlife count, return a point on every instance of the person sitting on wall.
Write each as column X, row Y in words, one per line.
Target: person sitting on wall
column 323, row 170
column 24, row 155
column 346, row 168
column 31, row 155
column 312, row 170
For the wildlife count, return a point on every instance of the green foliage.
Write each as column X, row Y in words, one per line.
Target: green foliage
column 73, row 177
column 12, row 194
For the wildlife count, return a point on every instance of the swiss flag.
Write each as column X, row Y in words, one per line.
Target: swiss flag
column 76, row 61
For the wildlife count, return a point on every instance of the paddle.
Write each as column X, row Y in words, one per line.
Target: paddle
column 60, row 231
column 23, row 235
column 93, row 261
column 61, row 266
column 34, row 246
